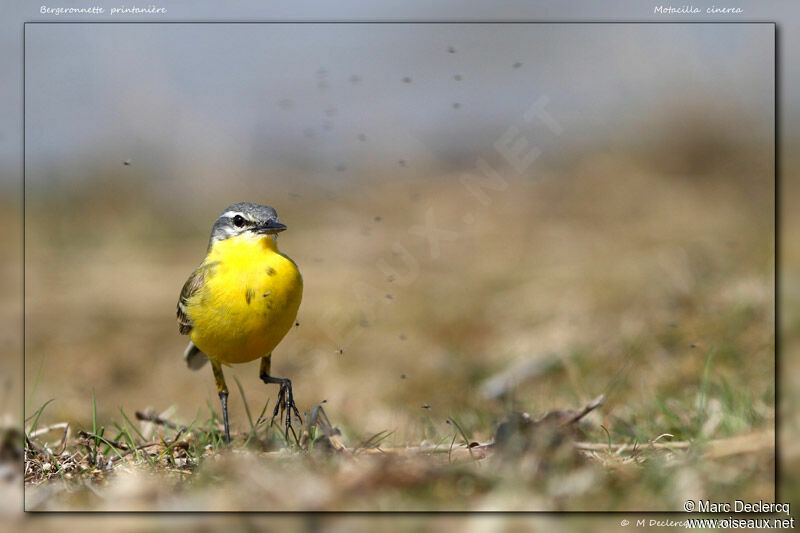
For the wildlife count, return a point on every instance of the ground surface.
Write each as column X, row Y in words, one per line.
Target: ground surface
column 608, row 275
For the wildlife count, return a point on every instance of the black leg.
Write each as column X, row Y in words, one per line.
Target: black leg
column 223, row 396
column 285, row 395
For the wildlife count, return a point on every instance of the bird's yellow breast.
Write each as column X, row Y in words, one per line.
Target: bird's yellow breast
column 248, row 300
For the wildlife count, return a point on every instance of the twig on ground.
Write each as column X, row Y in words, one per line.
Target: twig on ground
column 588, row 408
column 42, row 431
column 155, row 419
column 38, row 449
column 115, row 444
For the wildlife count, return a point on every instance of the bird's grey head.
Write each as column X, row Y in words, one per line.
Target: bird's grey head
column 246, row 218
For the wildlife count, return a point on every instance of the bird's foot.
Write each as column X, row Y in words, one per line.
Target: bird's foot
column 286, row 405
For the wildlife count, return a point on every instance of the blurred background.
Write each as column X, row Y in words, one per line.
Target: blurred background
column 487, row 217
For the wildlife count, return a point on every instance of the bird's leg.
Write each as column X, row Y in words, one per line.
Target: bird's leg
column 222, row 388
column 285, row 395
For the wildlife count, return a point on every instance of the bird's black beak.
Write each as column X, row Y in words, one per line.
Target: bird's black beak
column 271, row 227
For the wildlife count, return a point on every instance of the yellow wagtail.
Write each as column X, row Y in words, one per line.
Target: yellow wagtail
column 242, row 300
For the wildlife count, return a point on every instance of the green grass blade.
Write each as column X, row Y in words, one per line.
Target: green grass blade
column 129, row 424
column 463, row 435
column 94, row 428
column 705, row 383
column 108, row 445
column 37, row 414
column 246, row 407
column 36, row 382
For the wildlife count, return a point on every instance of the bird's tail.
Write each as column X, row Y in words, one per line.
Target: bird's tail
column 195, row 359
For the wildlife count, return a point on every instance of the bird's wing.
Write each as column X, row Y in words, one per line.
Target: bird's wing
column 193, row 356
column 190, row 288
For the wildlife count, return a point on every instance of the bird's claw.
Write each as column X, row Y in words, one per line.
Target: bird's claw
column 286, row 402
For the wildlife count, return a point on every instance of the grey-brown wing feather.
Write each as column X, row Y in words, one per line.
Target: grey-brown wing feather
column 192, row 285
column 193, row 356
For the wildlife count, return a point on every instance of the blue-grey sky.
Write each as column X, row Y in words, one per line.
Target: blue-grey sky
column 784, row 12
column 348, row 98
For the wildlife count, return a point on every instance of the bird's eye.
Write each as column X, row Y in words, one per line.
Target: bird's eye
column 238, row 221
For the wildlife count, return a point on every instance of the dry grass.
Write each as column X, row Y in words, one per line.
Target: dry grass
column 259, row 473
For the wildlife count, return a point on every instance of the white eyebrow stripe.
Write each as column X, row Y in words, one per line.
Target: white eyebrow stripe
column 232, row 214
